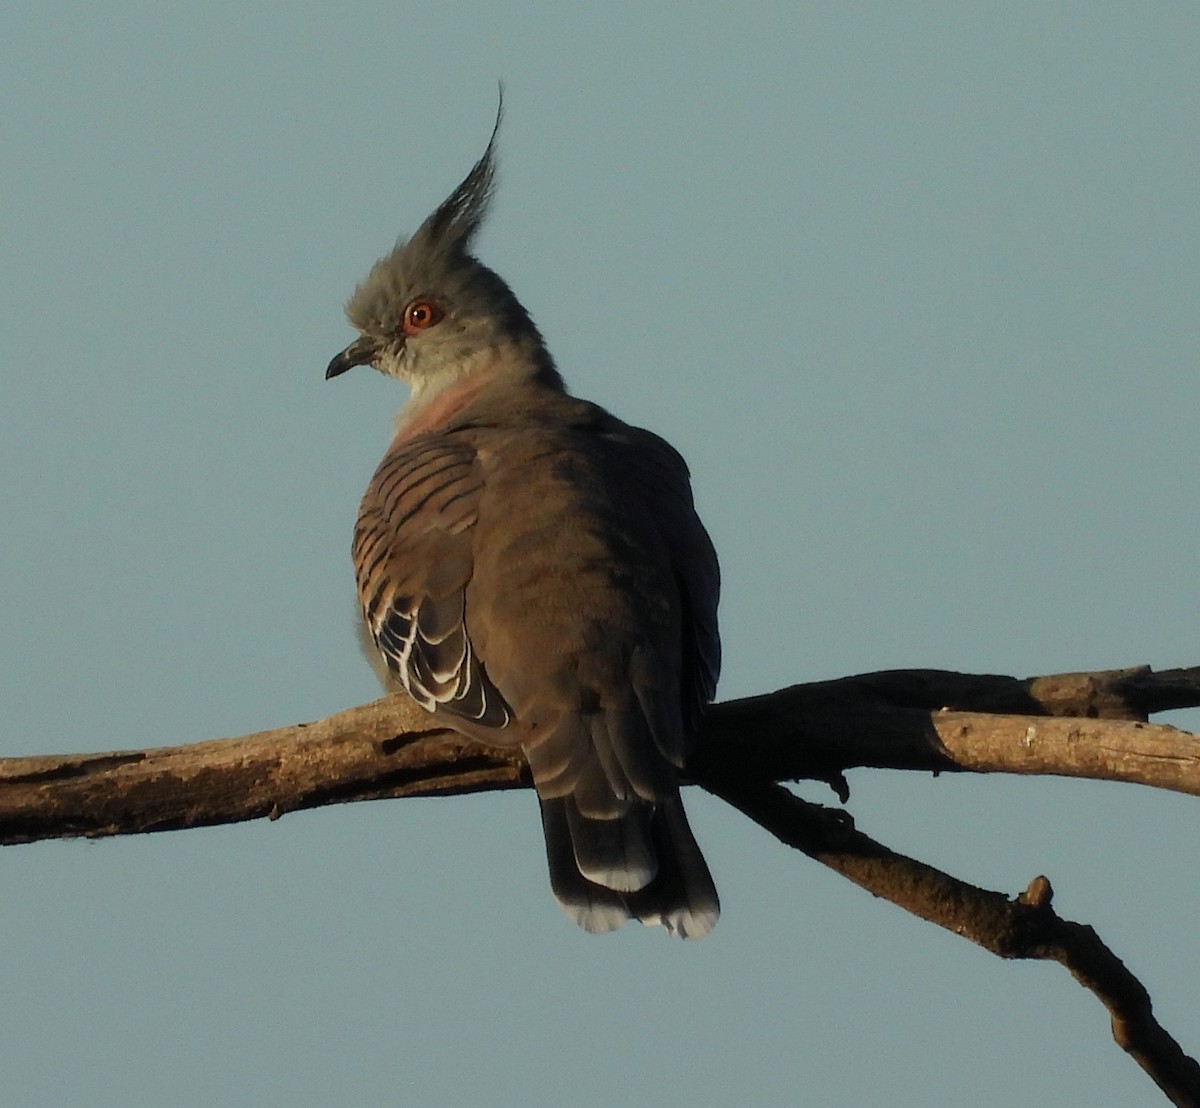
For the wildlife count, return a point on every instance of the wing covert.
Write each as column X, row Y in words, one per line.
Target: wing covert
column 413, row 561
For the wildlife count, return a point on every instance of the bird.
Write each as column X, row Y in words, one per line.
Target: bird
column 533, row 572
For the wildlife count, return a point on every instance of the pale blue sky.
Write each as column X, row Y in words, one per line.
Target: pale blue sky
column 914, row 287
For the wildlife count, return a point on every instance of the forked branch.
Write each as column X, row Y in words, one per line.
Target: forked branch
column 1082, row 725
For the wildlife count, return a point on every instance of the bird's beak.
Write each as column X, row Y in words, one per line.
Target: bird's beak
column 362, row 351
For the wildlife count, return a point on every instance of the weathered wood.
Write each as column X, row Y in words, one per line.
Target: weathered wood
column 1082, row 724
column 1086, row 725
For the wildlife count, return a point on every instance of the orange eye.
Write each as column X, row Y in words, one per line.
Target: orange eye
column 420, row 315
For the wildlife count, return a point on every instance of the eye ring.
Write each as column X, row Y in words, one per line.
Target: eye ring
column 422, row 314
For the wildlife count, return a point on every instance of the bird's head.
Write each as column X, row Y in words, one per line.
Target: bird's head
column 431, row 314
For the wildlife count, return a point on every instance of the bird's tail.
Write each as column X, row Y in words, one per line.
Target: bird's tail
column 641, row 862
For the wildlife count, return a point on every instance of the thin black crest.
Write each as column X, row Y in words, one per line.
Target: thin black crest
column 434, row 253
column 461, row 214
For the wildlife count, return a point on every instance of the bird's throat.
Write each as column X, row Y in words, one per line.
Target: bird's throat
column 427, row 412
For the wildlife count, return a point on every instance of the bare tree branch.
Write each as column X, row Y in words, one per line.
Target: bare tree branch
column 1083, row 725
column 1073, row 724
column 388, row 748
column 1024, row 927
column 1086, row 725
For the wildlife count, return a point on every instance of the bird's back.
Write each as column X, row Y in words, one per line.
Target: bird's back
column 534, row 572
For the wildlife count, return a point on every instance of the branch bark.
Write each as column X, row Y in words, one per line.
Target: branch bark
column 1022, row 927
column 1083, row 725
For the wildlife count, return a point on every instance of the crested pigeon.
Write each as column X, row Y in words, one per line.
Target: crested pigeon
column 533, row 572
